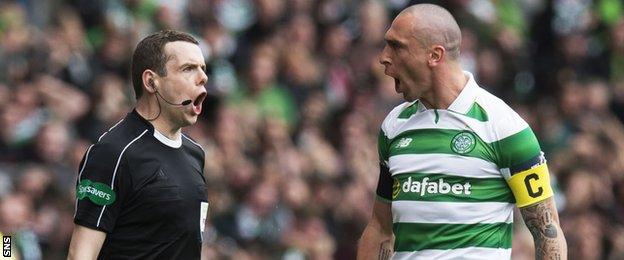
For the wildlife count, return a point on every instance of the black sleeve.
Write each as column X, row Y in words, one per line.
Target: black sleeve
column 101, row 186
column 384, row 185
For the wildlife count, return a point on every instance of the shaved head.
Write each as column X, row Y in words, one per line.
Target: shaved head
column 432, row 24
column 422, row 52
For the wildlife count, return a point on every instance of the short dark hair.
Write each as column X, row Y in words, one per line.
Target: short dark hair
column 150, row 54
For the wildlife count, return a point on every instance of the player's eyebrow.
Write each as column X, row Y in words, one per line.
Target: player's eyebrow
column 393, row 42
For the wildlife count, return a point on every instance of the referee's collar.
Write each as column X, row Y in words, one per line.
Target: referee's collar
column 466, row 97
column 166, row 141
column 158, row 135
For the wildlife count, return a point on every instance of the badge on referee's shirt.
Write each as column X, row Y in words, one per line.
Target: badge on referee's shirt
column 99, row 193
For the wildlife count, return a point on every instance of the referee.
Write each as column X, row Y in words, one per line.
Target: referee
column 140, row 189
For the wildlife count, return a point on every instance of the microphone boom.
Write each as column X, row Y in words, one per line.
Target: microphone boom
column 184, row 103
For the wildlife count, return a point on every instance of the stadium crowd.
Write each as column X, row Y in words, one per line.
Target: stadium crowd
column 296, row 99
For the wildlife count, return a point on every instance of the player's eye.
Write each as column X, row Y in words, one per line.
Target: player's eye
column 394, row 45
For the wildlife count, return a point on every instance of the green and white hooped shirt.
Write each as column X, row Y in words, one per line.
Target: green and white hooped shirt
column 448, row 171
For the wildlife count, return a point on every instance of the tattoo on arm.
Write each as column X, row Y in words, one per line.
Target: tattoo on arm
column 542, row 223
column 385, row 250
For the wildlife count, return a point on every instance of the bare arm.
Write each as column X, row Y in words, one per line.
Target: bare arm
column 377, row 240
column 85, row 243
column 543, row 222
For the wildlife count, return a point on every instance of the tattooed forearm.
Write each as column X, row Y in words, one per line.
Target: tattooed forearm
column 385, row 250
column 543, row 223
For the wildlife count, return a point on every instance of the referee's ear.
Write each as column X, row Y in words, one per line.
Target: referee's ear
column 149, row 81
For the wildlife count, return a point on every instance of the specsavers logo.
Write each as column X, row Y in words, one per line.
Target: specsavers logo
column 425, row 187
column 99, row 193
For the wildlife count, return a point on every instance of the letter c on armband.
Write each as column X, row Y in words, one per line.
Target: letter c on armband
column 531, row 186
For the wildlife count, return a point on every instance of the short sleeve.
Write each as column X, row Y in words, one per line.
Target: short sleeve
column 517, row 149
column 101, row 186
column 382, row 147
column 384, row 184
column 524, row 167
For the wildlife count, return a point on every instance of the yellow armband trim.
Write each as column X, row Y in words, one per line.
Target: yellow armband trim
column 531, row 186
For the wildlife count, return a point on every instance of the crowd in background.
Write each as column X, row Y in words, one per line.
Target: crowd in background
column 296, row 99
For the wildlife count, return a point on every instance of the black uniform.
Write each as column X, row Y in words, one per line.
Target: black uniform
column 144, row 194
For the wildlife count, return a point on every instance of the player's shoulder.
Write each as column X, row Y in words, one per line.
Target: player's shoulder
column 390, row 121
column 502, row 117
column 493, row 105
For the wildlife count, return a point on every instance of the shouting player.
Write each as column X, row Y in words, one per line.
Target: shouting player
column 454, row 159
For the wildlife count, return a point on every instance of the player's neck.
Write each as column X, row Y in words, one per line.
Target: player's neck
column 162, row 123
column 446, row 88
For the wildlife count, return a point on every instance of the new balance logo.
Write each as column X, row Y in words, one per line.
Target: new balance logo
column 404, row 142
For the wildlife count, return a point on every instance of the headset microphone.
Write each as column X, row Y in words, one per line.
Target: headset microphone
column 184, row 103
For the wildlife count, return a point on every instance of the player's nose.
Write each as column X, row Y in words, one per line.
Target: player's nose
column 384, row 58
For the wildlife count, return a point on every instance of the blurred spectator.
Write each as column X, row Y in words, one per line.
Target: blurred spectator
column 16, row 215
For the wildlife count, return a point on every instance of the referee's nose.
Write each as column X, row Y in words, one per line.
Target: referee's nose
column 203, row 78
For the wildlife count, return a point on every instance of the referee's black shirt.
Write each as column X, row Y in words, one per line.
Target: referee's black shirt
column 143, row 193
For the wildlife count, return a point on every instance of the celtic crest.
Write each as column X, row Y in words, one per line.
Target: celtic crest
column 463, row 142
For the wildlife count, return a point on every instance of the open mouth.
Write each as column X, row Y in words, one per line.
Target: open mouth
column 198, row 101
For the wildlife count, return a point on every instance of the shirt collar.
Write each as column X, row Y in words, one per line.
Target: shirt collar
column 143, row 121
column 466, row 97
column 158, row 135
column 166, row 141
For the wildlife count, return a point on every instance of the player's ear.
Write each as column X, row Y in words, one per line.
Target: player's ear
column 150, row 81
column 436, row 55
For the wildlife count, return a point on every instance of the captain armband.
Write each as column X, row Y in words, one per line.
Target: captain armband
column 531, row 186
